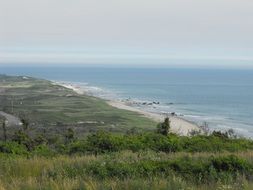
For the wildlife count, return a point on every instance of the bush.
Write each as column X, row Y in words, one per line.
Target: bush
column 231, row 164
column 43, row 150
column 79, row 147
column 164, row 128
column 198, row 170
column 160, row 143
column 103, row 142
column 13, row 148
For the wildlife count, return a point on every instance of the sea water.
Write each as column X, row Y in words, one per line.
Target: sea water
column 222, row 98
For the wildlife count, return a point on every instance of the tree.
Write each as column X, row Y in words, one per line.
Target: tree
column 164, row 128
column 22, row 138
column 4, row 131
column 25, row 124
column 22, row 135
column 40, row 139
column 70, row 135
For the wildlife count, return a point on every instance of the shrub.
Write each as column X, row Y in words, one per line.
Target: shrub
column 103, row 142
column 231, row 163
column 43, row 150
column 164, row 128
column 80, row 147
column 13, row 148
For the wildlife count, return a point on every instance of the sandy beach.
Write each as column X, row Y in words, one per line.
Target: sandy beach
column 75, row 88
column 179, row 125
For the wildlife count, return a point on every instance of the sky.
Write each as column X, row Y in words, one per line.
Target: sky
column 146, row 32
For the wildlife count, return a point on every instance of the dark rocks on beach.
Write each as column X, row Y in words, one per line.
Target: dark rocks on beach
column 173, row 114
column 150, row 103
column 142, row 103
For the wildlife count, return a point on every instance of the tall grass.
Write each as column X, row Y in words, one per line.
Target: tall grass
column 79, row 172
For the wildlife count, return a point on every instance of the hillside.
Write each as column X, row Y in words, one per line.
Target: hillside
column 53, row 108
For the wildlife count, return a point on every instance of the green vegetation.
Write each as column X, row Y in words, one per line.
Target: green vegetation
column 105, row 160
column 164, row 128
column 95, row 155
column 128, row 170
column 51, row 108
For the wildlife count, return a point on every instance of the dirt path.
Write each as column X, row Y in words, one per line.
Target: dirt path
column 12, row 120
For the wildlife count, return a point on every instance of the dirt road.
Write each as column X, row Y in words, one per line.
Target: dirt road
column 11, row 120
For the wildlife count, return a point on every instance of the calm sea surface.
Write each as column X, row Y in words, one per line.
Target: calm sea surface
column 223, row 98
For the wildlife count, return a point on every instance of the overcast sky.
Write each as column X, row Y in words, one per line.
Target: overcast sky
column 127, row 31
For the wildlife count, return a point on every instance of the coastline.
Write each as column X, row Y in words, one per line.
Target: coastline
column 179, row 125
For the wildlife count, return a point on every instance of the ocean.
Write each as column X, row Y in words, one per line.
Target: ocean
column 222, row 98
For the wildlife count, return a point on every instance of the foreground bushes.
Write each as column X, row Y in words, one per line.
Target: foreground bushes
column 134, row 170
column 104, row 142
column 13, row 148
column 177, row 162
column 198, row 170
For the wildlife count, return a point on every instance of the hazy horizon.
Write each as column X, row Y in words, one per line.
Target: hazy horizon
column 185, row 33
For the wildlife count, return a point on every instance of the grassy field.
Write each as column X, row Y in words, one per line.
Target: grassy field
column 125, row 170
column 127, row 161
column 53, row 108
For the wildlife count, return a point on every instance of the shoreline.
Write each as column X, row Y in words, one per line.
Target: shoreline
column 69, row 86
column 179, row 125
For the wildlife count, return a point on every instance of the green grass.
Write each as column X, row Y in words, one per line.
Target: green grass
column 128, row 170
column 128, row 161
column 56, row 108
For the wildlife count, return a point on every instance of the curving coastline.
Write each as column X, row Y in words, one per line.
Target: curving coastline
column 179, row 125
